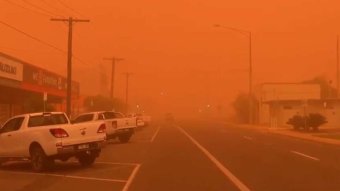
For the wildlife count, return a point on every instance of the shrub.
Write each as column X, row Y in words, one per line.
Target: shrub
column 315, row 120
column 297, row 121
column 312, row 120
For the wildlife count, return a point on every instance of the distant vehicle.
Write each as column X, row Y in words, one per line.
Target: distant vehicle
column 45, row 137
column 145, row 118
column 169, row 117
column 142, row 120
column 117, row 125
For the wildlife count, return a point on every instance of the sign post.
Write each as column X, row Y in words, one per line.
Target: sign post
column 45, row 100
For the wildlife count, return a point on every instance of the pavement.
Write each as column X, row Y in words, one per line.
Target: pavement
column 324, row 135
column 192, row 155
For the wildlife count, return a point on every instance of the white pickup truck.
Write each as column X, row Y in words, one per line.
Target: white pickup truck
column 45, row 137
column 117, row 124
column 142, row 120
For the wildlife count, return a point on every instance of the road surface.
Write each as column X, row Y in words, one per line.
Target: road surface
column 192, row 155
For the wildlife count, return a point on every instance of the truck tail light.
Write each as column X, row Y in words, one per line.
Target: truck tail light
column 102, row 128
column 59, row 133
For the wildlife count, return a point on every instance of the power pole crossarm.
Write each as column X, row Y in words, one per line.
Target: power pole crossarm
column 74, row 20
column 70, row 21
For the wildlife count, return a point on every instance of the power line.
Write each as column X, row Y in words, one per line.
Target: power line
column 31, row 10
column 78, row 59
column 28, row 9
column 70, row 8
column 40, row 8
column 32, row 37
column 58, row 9
column 41, row 41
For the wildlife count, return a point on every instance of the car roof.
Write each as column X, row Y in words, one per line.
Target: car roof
column 43, row 113
column 95, row 112
column 36, row 114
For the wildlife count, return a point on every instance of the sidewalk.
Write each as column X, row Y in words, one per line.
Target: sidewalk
column 325, row 135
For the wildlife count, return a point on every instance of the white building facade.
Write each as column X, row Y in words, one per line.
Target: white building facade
column 280, row 101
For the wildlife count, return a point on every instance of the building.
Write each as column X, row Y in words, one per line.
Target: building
column 21, row 82
column 280, row 101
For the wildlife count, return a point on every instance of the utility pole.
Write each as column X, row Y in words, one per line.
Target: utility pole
column 337, row 66
column 127, row 75
column 251, row 103
column 114, row 60
column 70, row 21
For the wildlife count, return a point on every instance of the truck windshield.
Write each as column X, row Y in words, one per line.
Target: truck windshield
column 84, row 118
column 109, row 115
column 45, row 120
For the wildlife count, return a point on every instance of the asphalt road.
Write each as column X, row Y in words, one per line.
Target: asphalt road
column 192, row 155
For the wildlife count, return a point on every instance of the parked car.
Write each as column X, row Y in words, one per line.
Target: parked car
column 118, row 126
column 45, row 137
column 142, row 120
column 145, row 118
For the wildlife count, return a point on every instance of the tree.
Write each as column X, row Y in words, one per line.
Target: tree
column 327, row 91
column 241, row 107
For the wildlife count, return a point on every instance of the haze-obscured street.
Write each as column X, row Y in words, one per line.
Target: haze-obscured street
column 164, row 157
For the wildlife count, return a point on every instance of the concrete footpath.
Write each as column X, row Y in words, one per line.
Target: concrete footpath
column 319, row 136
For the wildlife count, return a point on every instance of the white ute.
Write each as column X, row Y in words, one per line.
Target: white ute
column 118, row 126
column 45, row 137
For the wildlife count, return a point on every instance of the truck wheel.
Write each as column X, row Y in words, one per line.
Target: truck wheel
column 124, row 138
column 39, row 160
column 87, row 159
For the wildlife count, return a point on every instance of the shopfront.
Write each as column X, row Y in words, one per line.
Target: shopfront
column 23, row 86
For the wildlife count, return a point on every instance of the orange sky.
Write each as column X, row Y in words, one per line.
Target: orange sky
column 172, row 46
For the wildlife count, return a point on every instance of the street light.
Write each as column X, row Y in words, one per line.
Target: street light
column 247, row 34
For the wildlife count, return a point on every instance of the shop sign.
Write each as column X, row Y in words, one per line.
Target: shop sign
column 43, row 78
column 11, row 69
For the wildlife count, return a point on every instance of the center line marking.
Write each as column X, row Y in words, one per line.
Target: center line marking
column 304, row 155
column 223, row 169
column 156, row 133
column 248, row 138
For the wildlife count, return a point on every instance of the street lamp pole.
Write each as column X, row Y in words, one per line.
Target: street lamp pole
column 337, row 67
column 251, row 106
column 250, row 90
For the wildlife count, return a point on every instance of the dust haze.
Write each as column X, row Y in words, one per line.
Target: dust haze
column 180, row 62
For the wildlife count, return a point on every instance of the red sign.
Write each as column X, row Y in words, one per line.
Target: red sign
column 38, row 79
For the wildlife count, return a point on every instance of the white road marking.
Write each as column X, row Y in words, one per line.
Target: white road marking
column 131, row 178
column 86, row 178
column 68, row 176
column 117, row 163
column 156, row 133
column 223, row 169
column 248, row 138
column 306, row 156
